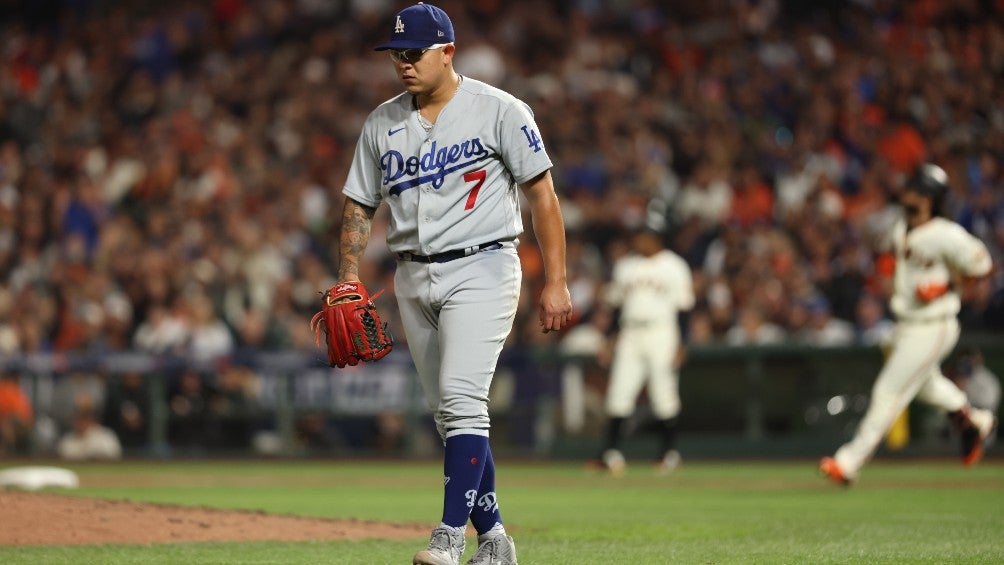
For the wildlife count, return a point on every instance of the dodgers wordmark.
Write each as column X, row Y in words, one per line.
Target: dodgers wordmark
column 427, row 177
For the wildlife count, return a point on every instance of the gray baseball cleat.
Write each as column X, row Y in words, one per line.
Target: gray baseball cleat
column 445, row 548
column 498, row 550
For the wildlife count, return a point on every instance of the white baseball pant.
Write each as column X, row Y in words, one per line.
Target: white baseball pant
column 644, row 356
column 912, row 371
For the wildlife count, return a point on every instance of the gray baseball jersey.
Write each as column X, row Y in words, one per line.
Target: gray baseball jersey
column 454, row 185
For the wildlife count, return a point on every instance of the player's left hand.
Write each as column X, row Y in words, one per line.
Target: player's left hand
column 352, row 325
column 555, row 307
column 929, row 291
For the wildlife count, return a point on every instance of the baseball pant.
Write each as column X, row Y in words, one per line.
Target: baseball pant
column 911, row 371
column 644, row 355
column 456, row 316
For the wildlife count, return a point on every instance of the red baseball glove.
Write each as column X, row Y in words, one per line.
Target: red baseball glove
column 352, row 325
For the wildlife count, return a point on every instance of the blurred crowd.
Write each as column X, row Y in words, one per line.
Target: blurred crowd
column 170, row 173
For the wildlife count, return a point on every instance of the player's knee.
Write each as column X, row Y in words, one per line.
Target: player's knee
column 667, row 410
column 619, row 410
column 665, row 413
column 457, row 412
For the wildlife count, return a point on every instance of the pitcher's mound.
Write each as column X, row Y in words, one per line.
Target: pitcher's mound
column 38, row 518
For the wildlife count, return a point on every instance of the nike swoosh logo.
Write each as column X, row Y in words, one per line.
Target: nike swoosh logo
column 393, row 131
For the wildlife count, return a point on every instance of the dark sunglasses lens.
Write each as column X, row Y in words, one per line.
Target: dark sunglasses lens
column 408, row 55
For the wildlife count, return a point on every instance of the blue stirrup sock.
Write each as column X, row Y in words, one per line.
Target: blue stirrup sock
column 486, row 515
column 463, row 466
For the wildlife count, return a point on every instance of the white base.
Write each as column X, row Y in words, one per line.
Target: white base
column 34, row 478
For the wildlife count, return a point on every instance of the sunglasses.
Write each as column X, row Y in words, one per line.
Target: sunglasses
column 412, row 56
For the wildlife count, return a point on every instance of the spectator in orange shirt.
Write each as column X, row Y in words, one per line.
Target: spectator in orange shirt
column 752, row 199
column 16, row 416
column 902, row 147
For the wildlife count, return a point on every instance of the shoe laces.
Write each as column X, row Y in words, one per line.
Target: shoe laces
column 442, row 540
column 487, row 552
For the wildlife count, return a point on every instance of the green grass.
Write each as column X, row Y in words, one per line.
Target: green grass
column 709, row 512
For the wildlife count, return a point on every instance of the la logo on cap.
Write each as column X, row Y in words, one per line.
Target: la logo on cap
column 418, row 27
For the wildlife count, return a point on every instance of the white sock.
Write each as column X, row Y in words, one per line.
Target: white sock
column 497, row 530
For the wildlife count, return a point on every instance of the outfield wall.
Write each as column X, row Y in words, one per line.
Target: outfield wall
column 737, row 401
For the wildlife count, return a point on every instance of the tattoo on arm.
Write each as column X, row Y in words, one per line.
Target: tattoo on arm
column 355, row 234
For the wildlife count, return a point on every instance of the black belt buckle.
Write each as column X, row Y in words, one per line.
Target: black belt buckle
column 447, row 256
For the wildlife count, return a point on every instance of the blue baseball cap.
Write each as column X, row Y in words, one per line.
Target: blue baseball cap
column 419, row 26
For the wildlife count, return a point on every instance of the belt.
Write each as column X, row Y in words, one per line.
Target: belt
column 927, row 320
column 446, row 256
column 645, row 324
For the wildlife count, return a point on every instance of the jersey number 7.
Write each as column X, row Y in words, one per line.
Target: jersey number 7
column 479, row 178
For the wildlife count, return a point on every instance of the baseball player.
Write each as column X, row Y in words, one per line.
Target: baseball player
column 447, row 156
column 651, row 286
column 932, row 254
